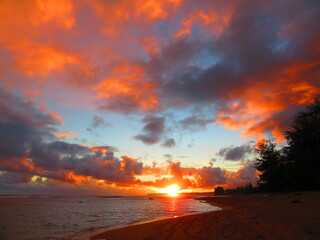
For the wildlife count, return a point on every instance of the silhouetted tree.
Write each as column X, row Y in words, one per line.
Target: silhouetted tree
column 296, row 166
column 248, row 188
column 270, row 162
column 218, row 191
column 303, row 151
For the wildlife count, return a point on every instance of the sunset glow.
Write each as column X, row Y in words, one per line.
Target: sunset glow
column 127, row 97
column 172, row 190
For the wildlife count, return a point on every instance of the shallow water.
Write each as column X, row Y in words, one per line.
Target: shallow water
column 62, row 217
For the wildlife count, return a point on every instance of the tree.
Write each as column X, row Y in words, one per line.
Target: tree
column 303, row 138
column 297, row 166
column 270, row 162
column 218, row 191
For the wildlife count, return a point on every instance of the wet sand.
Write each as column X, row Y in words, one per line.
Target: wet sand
column 280, row 216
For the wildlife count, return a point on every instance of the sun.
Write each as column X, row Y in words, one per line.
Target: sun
column 172, row 190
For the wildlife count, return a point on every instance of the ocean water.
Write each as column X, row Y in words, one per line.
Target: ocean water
column 64, row 217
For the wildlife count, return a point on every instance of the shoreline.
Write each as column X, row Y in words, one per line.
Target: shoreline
column 99, row 231
column 255, row 216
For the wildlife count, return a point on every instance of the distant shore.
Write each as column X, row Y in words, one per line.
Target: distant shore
column 257, row 216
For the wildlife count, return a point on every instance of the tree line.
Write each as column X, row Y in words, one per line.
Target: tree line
column 296, row 166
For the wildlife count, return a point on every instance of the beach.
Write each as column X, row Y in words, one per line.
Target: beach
column 256, row 216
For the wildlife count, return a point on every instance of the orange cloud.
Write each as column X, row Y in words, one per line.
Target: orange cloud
column 28, row 165
column 254, row 117
column 22, row 164
column 38, row 60
column 71, row 177
column 130, row 81
column 26, row 19
column 31, row 94
column 258, row 103
column 213, row 20
column 101, row 149
column 60, row 12
column 150, row 45
column 25, row 26
column 66, row 134
column 251, row 117
column 153, row 9
column 186, row 26
column 117, row 13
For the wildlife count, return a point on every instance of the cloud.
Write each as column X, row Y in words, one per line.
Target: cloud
column 66, row 134
column 153, row 130
column 130, row 88
column 22, row 125
column 31, row 148
column 244, row 176
column 81, row 161
column 130, row 13
column 235, row 153
column 37, row 20
column 194, row 123
column 174, row 168
column 168, row 157
column 99, row 122
column 37, row 153
column 206, row 177
column 211, row 176
column 12, row 177
column 251, row 64
column 182, row 156
column 169, row 143
column 104, row 149
column 33, row 17
column 191, row 143
column 247, row 65
column 245, row 69
column 37, row 60
column 40, row 186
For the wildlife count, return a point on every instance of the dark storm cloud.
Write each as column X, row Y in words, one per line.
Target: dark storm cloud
column 235, row 153
column 152, row 130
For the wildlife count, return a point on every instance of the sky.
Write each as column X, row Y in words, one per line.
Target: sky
column 130, row 96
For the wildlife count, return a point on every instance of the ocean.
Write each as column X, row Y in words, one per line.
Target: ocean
column 64, row 217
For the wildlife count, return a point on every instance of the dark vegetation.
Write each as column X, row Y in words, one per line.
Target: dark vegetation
column 247, row 189
column 297, row 165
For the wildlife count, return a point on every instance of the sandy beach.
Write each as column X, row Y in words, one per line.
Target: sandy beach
column 257, row 216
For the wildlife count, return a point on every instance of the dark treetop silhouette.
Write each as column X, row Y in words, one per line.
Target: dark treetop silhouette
column 296, row 166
